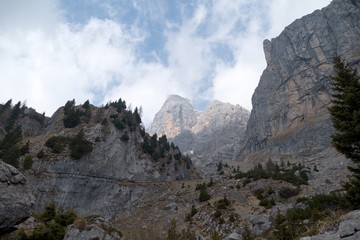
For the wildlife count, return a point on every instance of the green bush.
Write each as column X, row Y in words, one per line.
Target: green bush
column 28, row 162
column 71, row 116
column 125, row 137
column 10, row 149
column 52, row 224
column 267, row 203
column 287, row 192
column 223, row 203
column 297, row 221
column 118, row 124
column 204, row 195
column 217, row 213
column 40, row 154
column 57, row 144
column 295, row 174
column 191, row 214
column 79, row 146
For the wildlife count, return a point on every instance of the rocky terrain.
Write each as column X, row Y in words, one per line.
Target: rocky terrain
column 209, row 135
column 289, row 114
column 105, row 180
column 124, row 183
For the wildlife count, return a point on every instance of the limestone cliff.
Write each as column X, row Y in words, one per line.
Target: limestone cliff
column 289, row 114
column 206, row 134
column 113, row 163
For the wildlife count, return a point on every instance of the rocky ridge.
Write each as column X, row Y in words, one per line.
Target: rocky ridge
column 207, row 135
column 108, row 179
column 289, row 114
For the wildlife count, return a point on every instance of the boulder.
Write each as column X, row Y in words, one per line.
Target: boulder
column 93, row 228
column 234, row 236
column 16, row 198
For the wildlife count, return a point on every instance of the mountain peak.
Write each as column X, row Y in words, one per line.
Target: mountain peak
column 176, row 114
column 201, row 132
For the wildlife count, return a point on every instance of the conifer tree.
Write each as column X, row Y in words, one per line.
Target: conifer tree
column 345, row 115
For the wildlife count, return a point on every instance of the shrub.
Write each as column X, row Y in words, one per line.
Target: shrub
column 217, row 213
column 191, row 214
column 125, row 137
column 267, row 203
column 57, row 144
column 211, row 182
column 295, row 174
column 40, row 154
column 287, row 192
column 223, row 203
column 79, row 146
column 118, row 124
column 10, row 150
column 71, row 116
column 246, row 233
column 292, row 224
column 204, row 195
column 52, row 224
column 28, row 162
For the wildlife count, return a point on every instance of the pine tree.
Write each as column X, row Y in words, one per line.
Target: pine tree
column 345, row 115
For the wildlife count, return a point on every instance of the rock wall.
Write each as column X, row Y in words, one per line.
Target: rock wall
column 106, row 181
column 289, row 114
column 16, row 198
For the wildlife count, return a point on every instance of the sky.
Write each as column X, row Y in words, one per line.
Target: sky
column 142, row 51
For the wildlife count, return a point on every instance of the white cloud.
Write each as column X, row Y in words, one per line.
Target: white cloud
column 284, row 12
column 48, row 70
column 47, row 61
column 23, row 15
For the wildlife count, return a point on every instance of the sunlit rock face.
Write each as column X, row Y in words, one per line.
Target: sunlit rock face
column 289, row 114
column 175, row 116
column 208, row 135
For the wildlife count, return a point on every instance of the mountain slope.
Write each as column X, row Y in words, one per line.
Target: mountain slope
column 94, row 160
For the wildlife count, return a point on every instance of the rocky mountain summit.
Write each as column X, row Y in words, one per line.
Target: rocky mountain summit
column 175, row 116
column 289, row 115
column 207, row 135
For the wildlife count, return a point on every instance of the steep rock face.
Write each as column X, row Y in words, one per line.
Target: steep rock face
column 16, row 199
column 289, row 114
column 215, row 128
column 106, row 181
column 175, row 116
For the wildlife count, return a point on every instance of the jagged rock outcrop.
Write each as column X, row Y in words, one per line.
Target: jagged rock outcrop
column 176, row 115
column 93, row 228
column 289, row 114
column 209, row 134
column 16, row 198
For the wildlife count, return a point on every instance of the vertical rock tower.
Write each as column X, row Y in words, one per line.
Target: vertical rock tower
column 289, row 114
